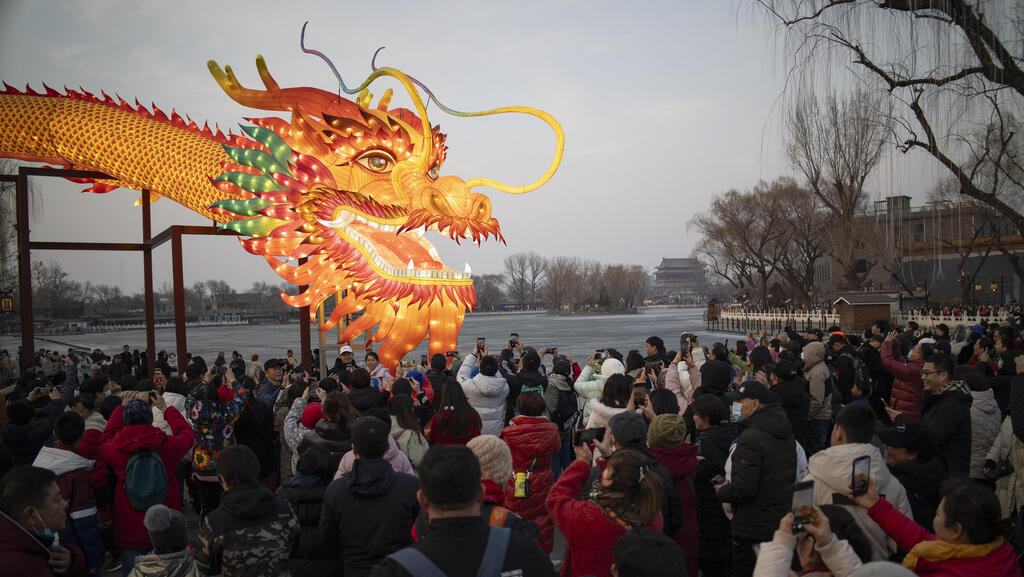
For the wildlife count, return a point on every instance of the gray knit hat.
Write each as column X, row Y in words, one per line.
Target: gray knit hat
column 167, row 529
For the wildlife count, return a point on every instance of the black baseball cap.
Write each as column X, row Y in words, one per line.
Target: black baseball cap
column 816, row 332
column 906, row 434
column 753, row 390
column 273, row 364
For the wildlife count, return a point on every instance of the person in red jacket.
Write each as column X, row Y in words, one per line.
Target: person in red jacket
column 32, row 511
column 907, row 388
column 534, row 441
column 968, row 538
column 130, row 431
column 456, row 421
column 627, row 495
column 666, row 441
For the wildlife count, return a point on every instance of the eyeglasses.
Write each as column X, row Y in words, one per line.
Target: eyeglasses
column 926, row 373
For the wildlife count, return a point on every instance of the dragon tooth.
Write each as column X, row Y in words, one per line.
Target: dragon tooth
column 468, row 270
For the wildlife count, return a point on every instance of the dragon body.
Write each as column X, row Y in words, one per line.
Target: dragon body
column 336, row 198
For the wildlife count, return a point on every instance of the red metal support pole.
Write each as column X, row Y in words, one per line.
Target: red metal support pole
column 24, row 269
column 179, row 299
column 147, row 276
column 304, row 344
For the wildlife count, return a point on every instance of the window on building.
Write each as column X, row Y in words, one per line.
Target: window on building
column 918, row 232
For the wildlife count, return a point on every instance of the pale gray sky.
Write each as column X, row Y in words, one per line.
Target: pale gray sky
column 664, row 104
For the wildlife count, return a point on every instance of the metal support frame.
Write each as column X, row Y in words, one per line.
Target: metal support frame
column 149, row 242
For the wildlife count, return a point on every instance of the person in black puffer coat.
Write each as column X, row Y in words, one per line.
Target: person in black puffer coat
column 792, row 390
column 911, row 458
column 760, row 487
column 528, row 378
column 334, row 430
column 716, row 373
column 255, row 429
column 363, row 394
column 715, row 434
column 437, row 376
column 946, row 411
column 312, row 556
column 27, row 428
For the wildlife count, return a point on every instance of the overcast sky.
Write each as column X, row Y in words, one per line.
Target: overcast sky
column 664, row 104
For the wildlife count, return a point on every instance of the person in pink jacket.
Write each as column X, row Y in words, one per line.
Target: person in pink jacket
column 968, row 538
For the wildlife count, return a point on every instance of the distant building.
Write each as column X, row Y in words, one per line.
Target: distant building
column 679, row 280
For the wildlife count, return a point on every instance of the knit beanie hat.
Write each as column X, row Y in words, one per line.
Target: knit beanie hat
column 138, row 412
column 629, row 429
column 561, row 366
column 612, row 367
column 666, row 430
column 494, row 456
column 167, row 529
column 312, row 414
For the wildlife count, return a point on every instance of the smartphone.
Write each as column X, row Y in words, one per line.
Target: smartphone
column 684, row 344
column 480, row 341
column 860, row 475
column 514, row 337
column 653, row 366
column 452, row 354
column 599, row 354
column 407, row 364
column 639, row 396
column 423, row 360
column 584, row 436
column 803, row 502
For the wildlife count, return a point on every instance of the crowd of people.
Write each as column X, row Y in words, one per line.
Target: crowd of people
column 890, row 452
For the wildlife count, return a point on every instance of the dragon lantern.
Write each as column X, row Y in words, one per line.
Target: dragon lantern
column 347, row 186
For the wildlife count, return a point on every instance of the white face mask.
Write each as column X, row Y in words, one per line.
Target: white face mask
column 737, row 412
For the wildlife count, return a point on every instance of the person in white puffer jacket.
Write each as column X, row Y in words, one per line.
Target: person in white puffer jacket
column 590, row 386
column 985, row 421
column 486, row 392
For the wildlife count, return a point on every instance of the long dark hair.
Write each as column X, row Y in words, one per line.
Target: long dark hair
column 456, row 412
column 635, row 492
column 634, row 360
column 403, row 409
column 338, row 409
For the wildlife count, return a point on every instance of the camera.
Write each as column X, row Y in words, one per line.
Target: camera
column 1002, row 469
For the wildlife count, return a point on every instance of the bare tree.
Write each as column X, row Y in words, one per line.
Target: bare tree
column 835, row 146
column 804, row 220
column 488, row 291
column 562, row 281
column 951, row 69
column 524, row 273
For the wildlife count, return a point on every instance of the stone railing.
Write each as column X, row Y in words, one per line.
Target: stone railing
column 774, row 322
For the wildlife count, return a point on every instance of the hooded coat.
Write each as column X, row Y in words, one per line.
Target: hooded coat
column 410, row 441
column 338, row 440
column 601, row 413
column 22, row 554
column 907, row 388
column 985, row 423
column 73, row 472
column 590, row 386
column 311, row 556
column 796, row 401
column 119, row 443
column 763, row 473
column 532, row 440
column 715, row 530
column 24, row 441
column 486, row 394
column 948, row 418
column 251, row 533
column 715, row 377
column 831, row 471
column 394, row 456
column 681, row 461
column 817, row 374
column 368, row 514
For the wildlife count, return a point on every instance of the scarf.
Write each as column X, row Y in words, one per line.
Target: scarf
column 943, row 551
column 955, row 386
column 613, row 506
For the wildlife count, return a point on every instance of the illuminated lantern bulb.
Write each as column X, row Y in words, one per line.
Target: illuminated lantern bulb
column 410, row 265
column 468, row 270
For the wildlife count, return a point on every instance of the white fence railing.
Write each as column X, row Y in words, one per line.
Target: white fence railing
column 775, row 321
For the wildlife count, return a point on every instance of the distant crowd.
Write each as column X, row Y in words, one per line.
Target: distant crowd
column 888, row 452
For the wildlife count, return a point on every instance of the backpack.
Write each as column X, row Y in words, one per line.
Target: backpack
column 861, row 375
column 145, row 480
column 567, row 412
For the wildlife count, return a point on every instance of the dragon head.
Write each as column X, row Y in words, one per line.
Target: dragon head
column 338, row 198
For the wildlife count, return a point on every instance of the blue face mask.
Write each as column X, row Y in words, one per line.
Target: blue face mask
column 46, row 536
column 737, row 412
column 108, row 392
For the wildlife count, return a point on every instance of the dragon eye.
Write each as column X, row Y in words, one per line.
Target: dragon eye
column 377, row 161
column 432, row 173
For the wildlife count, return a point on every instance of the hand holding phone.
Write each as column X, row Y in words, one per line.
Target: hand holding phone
column 803, row 502
column 860, row 475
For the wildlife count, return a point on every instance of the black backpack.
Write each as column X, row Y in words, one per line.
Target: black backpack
column 861, row 374
column 567, row 412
